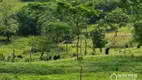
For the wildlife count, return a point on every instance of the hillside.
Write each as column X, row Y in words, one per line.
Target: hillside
column 37, row 49
column 16, row 4
column 21, row 44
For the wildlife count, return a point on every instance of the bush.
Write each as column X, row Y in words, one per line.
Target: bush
column 25, row 52
column 2, row 57
column 74, row 55
column 31, row 59
column 27, row 0
column 38, row 0
column 80, row 58
column 132, row 55
column 46, row 58
column 93, row 53
column 27, row 59
column 8, row 58
column 6, row 78
column 43, row 0
column 62, row 49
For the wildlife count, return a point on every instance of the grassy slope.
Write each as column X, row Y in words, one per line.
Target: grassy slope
column 94, row 67
column 17, row 4
column 22, row 44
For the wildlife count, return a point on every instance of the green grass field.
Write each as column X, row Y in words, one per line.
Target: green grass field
column 16, row 4
column 96, row 65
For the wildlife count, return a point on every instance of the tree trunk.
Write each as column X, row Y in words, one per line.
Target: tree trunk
column 77, row 44
column 58, row 50
column 67, row 46
column 85, row 52
column 13, row 55
column 81, row 73
column 32, row 50
column 116, row 33
column 115, row 38
column 80, row 46
column 30, row 55
column 7, row 37
column 94, row 49
column 100, row 49
column 41, row 55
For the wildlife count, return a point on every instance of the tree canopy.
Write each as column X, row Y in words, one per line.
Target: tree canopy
column 8, row 23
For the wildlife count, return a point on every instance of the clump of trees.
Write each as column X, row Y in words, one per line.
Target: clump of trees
column 134, row 9
column 28, row 17
column 56, row 32
column 98, row 38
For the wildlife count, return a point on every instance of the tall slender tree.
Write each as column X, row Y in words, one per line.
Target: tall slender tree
column 77, row 14
column 9, row 25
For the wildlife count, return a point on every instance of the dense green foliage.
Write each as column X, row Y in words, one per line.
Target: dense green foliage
column 28, row 18
column 134, row 8
column 138, row 32
column 35, row 19
column 106, row 6
column 27, row 0
column 116, row 16
column 98, row 37
column 8, row 24
column 56, row 32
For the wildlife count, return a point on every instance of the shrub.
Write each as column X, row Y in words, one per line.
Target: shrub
column 27, row 59
column 6, row 78
column 74, row 55
column 116, row 68
column 46, row 58
column 93, row 53
column 16, row 77
column 8, row 58
column 80, row 58
column 25, row 52
column 62, row 49
column 27, row 0
column 30, row 59
column 2, row 57
column 132, row 55
column 56, row 57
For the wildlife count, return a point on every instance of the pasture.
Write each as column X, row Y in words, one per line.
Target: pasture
column 19, row 62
